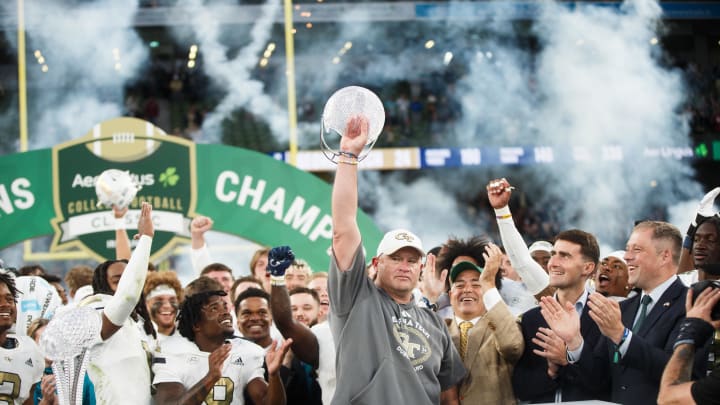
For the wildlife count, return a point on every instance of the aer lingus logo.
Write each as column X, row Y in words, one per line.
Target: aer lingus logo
column 169, row 177
column 163, row 166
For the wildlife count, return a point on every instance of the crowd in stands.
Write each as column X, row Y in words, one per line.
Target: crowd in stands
column 472, row 321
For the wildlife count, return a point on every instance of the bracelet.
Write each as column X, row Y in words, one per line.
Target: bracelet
column 119, row 224
column 278, row 281
column 616, row 354
column 348, row 162
column 348, row 154
column 505, row 216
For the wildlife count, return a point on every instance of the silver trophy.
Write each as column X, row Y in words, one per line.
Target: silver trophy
column 66, row 341
column 343, row 105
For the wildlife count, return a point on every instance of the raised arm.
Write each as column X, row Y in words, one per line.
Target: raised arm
column 132, row 280
column 305, row 344
column 532, row 274
column 696, row 329
column 199, row 253
column 122, row 242
column 272, row 392
column 346, row 234
column 705, row 210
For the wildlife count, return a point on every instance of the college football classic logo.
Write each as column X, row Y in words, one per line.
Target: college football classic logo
column 133, row 156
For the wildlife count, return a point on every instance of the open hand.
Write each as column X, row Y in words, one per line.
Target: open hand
column 145, row 223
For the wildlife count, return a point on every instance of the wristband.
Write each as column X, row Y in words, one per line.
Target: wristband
column 278, row 281
column 503, row 213
column 694, row 331
column 347, row 154
column 616, row 354
column 119, row 224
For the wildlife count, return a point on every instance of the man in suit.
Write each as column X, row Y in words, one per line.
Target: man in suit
column 638, row 334
column 484, row 331
column 543, row 374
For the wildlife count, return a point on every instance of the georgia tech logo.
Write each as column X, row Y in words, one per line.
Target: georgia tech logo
column 404, row 236
column 413, row 340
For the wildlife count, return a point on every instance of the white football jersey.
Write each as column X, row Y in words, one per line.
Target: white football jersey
column 188, row 367
column 120, row 362
column 326, row 360
column 20, row 368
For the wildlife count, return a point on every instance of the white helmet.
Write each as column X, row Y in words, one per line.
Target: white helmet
column 115, row 187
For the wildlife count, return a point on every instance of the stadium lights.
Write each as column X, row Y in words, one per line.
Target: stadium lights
column 269, row 49
column 116, row 57
column 192, row 55
column 41, row 61
column 429, row 44
column 447, row 58
column 653, row 41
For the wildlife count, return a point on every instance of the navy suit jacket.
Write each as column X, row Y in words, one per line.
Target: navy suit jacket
column 635, row 378
column 530, row 378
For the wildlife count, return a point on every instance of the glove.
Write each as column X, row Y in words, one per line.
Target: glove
column 279, row 259
column 704, row 211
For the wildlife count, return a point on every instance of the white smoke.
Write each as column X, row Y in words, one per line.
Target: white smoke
column 91, row 51
column 234, row 73
column 596, row 86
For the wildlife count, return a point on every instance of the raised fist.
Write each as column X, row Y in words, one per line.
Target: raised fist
column 279, row 259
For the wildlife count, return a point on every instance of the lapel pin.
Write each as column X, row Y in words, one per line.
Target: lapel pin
column 667, row 304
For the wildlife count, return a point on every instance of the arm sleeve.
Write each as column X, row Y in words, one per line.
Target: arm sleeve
column 200, row 258
column 529, row 270
column 131, row 284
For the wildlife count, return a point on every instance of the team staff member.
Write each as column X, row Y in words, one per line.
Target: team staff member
column 389, row 351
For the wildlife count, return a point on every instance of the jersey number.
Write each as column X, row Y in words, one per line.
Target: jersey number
column 9, row 387
column 221, row 393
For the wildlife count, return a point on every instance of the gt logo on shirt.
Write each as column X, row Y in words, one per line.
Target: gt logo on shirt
column 221, row 393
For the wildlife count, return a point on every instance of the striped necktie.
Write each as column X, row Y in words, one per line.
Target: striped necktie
column 465, row 327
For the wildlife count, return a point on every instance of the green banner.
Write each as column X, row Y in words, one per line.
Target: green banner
column 26, row 204
column 270, row 202
column 247, row 194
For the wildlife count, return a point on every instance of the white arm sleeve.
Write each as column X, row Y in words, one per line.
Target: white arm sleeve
column 530, row 271
column 200, row 258
column 131, row 284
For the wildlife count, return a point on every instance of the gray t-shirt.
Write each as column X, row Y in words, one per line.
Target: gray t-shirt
column 387, row 353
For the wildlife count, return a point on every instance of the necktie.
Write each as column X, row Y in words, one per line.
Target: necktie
column 464, row 329
column 644, row 302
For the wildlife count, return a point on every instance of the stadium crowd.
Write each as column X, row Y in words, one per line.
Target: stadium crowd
column 467, row 322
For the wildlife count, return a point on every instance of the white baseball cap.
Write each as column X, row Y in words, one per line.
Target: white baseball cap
column 619, row 254
column 541, row 245
column 398, row 239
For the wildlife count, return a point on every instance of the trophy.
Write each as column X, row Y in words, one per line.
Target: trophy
column 343, row 105
column 66, row 341
column 115, row 187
